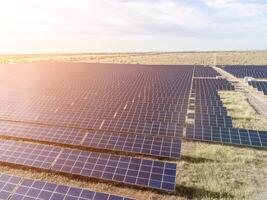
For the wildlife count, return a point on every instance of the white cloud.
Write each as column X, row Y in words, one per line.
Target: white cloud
column 238, row 7
column 118, row 25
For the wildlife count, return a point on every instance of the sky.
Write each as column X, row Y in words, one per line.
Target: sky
column 81, row 26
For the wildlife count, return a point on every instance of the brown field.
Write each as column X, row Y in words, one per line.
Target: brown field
column 203, row 58
column 206, row 171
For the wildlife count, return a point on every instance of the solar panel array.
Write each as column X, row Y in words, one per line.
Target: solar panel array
column 206, row 104
column 119, row 98
column 89, row 113
column 107, row 167
column 241, row 71
column 211, row 122
column 201, row 71
column 259, row 85
column 18, row 188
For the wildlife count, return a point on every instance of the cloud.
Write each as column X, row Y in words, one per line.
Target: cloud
column 239, row 8
column 238, row 18
column 115, row 25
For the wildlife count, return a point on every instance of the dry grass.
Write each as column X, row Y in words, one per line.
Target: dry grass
column 206, row 171
column 242, row 113
column 205, row 58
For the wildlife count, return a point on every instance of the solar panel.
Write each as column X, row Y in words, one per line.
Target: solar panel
column 133, row 171
column 119, row 125
column 213, row 120
column 120, row 169
column 201, row 71
column 33, row 155
column 233, row 136
column 39, row 132
column 211, row 84
column 17, row 188
column 210, row 110
column 147, row 128
column 148, row 145
column 7, row 185
column 241, row 71
column 259, row 85
column 141, row 144
column 206, row 108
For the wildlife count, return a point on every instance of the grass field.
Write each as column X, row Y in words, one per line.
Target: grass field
column 206, row 171
column 242, row 113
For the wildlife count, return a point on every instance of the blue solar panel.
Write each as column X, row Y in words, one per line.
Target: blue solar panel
column 259, row 85
column 134, row 171
column 98, row 140
column 241, row 71
column 223, row 135
column 17, row 188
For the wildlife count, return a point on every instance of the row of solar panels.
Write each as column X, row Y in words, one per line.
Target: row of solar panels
column 225, row 135
column 101, row 166
column 18, row 188
column 98, row 140
column 241, row 71
column 201, row 71
column 205, row 97
column 259, row 85
column 134, row 126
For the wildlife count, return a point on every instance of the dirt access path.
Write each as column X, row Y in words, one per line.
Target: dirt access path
column 256, row 99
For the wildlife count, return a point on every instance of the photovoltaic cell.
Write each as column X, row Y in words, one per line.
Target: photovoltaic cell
column 17, row 188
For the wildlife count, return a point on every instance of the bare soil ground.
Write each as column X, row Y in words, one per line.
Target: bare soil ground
column 206, row 171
